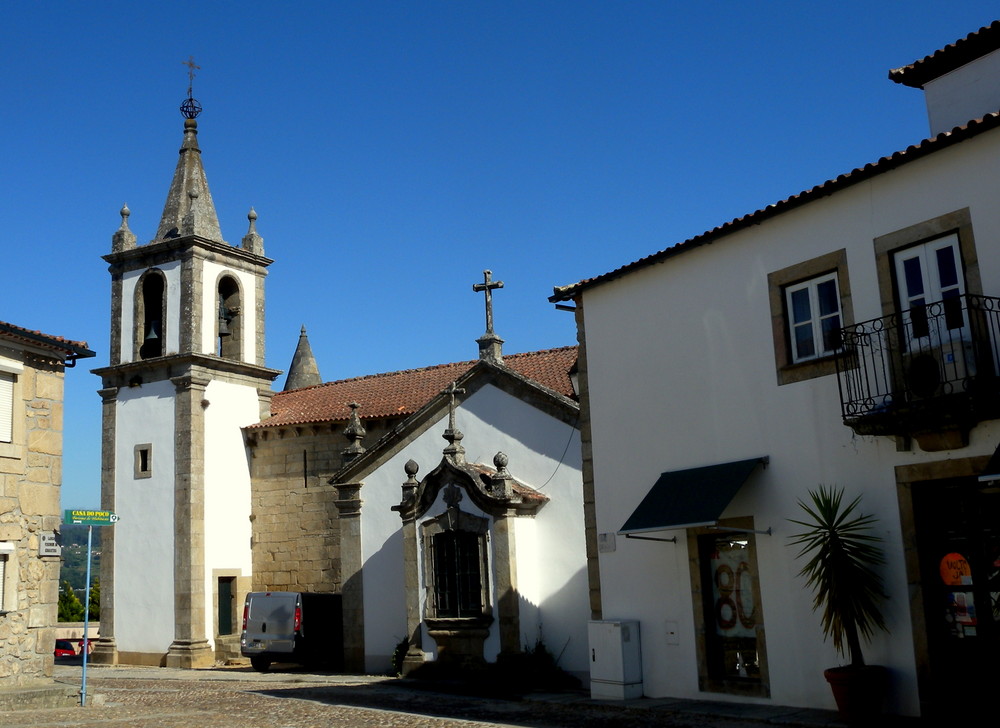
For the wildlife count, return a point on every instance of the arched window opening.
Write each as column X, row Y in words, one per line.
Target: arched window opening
column 230, row 321
column 149, row 316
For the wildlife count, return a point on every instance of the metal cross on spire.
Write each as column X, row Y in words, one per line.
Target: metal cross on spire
column 487, row 287
column 190, row 108
column 191, row 69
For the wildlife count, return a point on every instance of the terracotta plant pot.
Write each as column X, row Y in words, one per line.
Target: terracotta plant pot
column 859, row 691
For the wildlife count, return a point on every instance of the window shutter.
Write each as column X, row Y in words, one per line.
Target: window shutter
column 6, row 407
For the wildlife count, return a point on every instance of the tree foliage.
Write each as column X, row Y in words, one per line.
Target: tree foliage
column 95, row 600
column 840, row 570
column 70, row 606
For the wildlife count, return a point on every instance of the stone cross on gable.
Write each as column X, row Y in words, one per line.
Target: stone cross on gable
column 489, row 343
column 487, row 287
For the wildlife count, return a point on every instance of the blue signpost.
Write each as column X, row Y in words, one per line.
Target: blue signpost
column 89, row 519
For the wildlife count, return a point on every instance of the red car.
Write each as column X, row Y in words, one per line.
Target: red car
column 65, row 648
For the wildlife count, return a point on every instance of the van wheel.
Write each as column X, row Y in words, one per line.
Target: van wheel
column 260, row 664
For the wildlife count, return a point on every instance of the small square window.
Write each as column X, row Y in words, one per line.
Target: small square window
column 810, row 302
column 144, row 461
column 813, row 317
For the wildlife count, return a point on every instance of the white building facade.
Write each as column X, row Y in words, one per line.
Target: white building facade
column 846, row 336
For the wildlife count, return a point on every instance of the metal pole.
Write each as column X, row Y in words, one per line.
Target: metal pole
column 86, row 623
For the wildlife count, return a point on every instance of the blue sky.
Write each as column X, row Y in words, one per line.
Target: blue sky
column 393, row 150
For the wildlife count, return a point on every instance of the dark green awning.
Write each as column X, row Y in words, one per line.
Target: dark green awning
column 686, row 498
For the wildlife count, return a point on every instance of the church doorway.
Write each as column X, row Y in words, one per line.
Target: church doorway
column 958, row 545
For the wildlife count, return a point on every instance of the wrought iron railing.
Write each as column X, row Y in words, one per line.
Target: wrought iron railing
column 905, row 365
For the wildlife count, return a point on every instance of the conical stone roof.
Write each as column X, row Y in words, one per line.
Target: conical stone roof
column 189, row 209
column 304, row 371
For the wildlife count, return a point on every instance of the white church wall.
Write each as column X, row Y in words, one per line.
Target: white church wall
column 144, row 572
column 172, row 272
column 544, row 453
column 210, row 303
column 700, row 388
column 227, row 486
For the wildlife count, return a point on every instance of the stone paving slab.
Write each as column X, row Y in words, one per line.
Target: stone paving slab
column 149, row 697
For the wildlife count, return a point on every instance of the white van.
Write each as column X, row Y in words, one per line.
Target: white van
column 292, row 627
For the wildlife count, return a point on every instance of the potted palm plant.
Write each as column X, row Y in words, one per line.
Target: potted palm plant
column 843, row 554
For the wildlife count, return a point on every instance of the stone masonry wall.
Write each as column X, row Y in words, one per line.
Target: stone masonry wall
column 296, row 534
column 30, row 476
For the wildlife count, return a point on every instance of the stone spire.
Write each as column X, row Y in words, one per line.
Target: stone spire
column 490, row 345
column 189, row 209
column 303, row 372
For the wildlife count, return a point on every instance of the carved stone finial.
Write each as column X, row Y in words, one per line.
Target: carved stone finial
column 123, row 238
column 409, row 485
column 500, row 483
column 355, row 433
column 453, row 435
column 252, row 242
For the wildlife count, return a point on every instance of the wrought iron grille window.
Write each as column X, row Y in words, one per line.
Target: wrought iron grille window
column 457, row 574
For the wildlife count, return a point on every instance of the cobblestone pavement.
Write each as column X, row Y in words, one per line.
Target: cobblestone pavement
column 158, row 698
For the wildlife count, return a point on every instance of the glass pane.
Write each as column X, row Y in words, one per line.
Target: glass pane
column 804, row 346
column 800, row 306
column 953, row 317
column 734, row 608
column 947, row 269
column 831, row 333
column 914, row 278
column 827, row 293
column 918, row 320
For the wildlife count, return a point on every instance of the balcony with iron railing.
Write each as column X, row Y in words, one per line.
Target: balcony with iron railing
column 929, row 372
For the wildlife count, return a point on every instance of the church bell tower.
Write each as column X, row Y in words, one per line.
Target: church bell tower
column 186, row 372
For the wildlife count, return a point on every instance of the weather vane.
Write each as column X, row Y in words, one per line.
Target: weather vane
column 190, row 108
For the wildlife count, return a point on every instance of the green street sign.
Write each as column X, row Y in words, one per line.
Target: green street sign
column 90, row 518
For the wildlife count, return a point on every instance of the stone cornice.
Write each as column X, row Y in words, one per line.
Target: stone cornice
column 168, row 250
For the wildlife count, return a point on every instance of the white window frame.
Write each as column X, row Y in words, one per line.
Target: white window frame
column 8, row 577
column 816, row 319
column 6, row 406
column 10, row 371
column 934, row 291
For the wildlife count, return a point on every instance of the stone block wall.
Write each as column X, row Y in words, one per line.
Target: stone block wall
column 296, row 533
column 30, row 477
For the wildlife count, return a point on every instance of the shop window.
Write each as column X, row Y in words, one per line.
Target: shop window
column 731, row 648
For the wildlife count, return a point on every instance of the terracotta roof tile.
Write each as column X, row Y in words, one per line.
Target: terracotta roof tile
column 78, row 348
column 947, row 59
column 885, row 164
column 399, row 394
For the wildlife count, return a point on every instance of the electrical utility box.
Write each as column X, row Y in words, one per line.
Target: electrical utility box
column 615, row 660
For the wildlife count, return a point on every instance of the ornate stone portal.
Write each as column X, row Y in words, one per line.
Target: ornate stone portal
column 458, row 549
